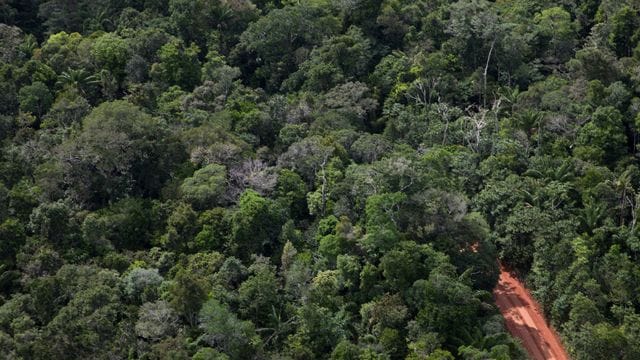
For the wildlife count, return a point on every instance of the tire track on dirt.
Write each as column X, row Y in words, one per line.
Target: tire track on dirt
column 524, row 320
column 519, row 326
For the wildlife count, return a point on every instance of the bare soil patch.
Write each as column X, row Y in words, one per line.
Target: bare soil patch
column 524, row 319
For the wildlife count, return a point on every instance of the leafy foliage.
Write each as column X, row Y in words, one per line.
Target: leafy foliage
column 257, row 179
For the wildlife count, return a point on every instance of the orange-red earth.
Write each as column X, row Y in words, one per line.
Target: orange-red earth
column 525, row 321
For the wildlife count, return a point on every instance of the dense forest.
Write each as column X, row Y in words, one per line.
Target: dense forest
column 316, row 179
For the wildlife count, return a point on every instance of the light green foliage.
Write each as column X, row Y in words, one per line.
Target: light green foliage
column 63, row 51
column 206, row 187
column 382, row 222
column 382, row 210
column 68, row 109
column 209, row 354
column 345, row 350
column 178, row 64
column 170, row 103
column 111, row 52
column 141, row 285
column 215, row 229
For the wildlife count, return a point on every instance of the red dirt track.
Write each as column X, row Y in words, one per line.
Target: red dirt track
column 524, row 319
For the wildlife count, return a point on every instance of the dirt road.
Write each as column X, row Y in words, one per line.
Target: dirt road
column 524, row 319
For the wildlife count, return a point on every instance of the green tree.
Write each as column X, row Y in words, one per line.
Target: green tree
column 141, row 285
column 603, row 139
column 178, row 65
column 258, row 295
column 215, row 229
column 340, row 58
column 308, row 156
column 35, row 98
column 318, row 332
column 68, row 109
column 111, row 52
column 382, row 222
column 291, row 193
column 121, row 150
column 194, row 19
column 187, row 294
column 54, row 221
column 446, row 305
column 206, row 187
column 62, row 51
column 182, row 227
column 556, row 27
column 288, row 30
column 89, row 322
column 127, row 224
column 13, row 235
column 622, row 37
column 471, row 40
column 223, row 330
column 255, row 225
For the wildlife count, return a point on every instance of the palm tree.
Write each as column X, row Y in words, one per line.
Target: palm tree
column 78, row 79
column 592, row 214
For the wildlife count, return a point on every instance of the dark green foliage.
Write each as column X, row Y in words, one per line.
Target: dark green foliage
column 623, row 35
column 339, row 59
column 224, row 331
column 35, row 98
column 315, row 180
column 292, row 30
column 255, row 226
column 120, row 151
column 187, row 295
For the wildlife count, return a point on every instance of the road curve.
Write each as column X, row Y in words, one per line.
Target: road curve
column 525, row 321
